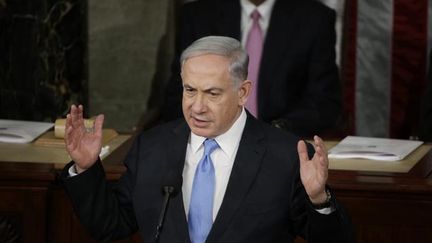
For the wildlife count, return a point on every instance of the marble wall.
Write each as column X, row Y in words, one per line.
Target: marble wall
column 107, row 55
column 130, row 50
column 42, row 58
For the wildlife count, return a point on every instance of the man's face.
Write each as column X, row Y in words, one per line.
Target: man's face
column 211, row 101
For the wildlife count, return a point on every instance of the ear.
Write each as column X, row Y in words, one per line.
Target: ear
column 244, row 91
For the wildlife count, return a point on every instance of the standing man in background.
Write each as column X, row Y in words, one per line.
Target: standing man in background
column 291, row 44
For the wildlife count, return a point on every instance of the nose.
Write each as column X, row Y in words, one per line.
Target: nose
column 199, row 104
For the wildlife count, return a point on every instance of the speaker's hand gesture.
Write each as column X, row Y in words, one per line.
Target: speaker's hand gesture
column 83, row 145
column 314, row 172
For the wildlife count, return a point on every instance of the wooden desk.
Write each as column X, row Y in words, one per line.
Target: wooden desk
column 32, row 199
column 385, row 207
column 388, row 207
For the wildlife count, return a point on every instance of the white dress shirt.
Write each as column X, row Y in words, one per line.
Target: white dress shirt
column 247, row 8
column 222, row 158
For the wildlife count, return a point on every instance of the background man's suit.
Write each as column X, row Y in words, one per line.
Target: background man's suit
column 298, row 81
column 264, row 200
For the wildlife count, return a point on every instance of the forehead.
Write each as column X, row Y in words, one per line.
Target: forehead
column 207, row 72
column 207, row 64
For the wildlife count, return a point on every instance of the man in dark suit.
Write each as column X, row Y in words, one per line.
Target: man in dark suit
column 255, row 184
column 298, row 81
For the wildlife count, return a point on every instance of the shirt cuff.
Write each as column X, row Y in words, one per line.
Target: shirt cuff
column 325, row 211
column 72, row 171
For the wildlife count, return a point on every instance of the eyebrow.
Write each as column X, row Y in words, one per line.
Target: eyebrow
column 187, row 86
column 213, row 89
column 206, row 90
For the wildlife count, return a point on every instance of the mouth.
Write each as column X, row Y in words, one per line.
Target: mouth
column 197, row 122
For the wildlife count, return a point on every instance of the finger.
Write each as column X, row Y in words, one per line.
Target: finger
column 70, row 141
column 80, row 111
column 69, row 135
column 98, row 125
column 302, row 151
column 319, row 146
column 80, row 118
column 73, row 111
column 77, row 120
column 321, row 151
column 67, row 125
column 73, row 114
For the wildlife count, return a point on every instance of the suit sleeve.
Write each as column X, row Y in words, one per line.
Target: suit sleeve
column 320, row 104
column 104, row 209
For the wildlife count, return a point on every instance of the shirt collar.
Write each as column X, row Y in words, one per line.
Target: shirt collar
column 264, row 8
column 227, row 141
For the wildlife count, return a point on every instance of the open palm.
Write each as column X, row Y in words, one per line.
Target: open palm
column 83, row 146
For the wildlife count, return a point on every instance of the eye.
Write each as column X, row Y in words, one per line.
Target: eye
column 188, row 90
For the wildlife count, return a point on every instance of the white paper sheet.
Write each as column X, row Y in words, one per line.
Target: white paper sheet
column 14, row 131
column 373, row 148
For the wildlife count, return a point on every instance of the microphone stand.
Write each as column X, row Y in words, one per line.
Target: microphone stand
column 168, row 191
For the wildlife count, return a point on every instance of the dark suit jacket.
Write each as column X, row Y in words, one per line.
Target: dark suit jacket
column 298, row 81
column 264, row 199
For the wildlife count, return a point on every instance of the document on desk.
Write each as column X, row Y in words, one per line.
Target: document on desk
column 15, row 131
column 373, row 148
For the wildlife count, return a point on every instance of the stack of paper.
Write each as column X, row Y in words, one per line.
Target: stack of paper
column 373, row 148
column 12, row 131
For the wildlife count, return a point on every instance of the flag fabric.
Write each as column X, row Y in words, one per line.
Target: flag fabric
column 383, row 61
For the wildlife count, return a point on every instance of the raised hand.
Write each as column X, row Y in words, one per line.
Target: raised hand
column 82, row 145
column 314, row 172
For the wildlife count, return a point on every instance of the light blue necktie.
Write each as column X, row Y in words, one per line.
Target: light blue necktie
column 200, row 218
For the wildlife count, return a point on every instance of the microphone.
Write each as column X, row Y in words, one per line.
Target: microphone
column 169, row 190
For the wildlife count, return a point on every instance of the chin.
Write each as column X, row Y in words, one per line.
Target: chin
column 201, row 132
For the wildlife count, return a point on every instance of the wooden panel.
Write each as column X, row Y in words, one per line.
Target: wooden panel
column 388, row 207
column 27, row 208
column 9, row 226
column 65, row 226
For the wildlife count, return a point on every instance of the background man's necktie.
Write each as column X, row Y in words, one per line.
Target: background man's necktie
column 254, row 47
column 200, row 218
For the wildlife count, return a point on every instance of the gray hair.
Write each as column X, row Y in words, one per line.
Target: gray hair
column 223, row 46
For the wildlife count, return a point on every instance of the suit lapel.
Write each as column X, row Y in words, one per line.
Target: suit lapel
column 246, row 166
column 176, row 158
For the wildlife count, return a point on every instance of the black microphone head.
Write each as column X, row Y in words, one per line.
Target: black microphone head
column 168, row 189
column 172, row 183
